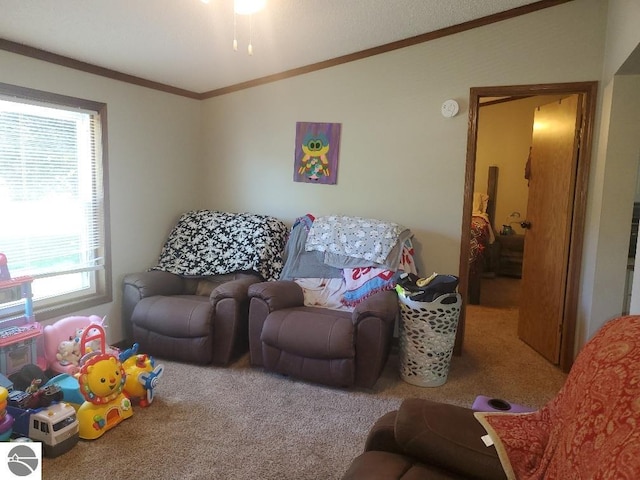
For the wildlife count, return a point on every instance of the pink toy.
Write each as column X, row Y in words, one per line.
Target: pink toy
column 63, row 330
column 4, row 268
column 483, row 403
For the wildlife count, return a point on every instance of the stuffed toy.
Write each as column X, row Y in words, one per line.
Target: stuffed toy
column 91, row 346
column 68, row 353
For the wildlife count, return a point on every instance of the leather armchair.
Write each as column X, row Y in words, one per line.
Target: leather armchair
column 590, row 429
column 332, row 347
column 193, row 305
column 425, row 439
column 197, row 320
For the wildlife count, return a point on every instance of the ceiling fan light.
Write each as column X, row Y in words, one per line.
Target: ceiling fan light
column 248, row 7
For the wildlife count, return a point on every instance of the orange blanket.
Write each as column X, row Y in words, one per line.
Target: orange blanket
column 591, row 429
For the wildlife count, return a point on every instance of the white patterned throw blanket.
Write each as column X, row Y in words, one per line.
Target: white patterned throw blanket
column 206, row 242
column 363, row 240
column 335, row 279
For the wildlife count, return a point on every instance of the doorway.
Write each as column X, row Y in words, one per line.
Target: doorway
column 569, row 267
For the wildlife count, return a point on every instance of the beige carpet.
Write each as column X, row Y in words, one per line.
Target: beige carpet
column 243, row 423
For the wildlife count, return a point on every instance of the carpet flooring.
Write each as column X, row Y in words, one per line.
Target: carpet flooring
column 243, row 423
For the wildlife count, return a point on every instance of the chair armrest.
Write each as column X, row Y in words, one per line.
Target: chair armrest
column 382, row 436
column 447, row 436
column 279, row 294
column 267, row 297
column 383, row 305
column 237, row 289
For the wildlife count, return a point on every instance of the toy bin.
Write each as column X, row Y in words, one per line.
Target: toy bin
column 427, row 337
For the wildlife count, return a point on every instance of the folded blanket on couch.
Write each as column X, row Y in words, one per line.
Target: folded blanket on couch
column 206, row 242
column 298, row 263
column 349, row 242
column 361, row 283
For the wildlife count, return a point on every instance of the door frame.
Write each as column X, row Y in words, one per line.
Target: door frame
column 589, row 92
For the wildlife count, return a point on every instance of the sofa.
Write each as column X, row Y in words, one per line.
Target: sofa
column 193, row 305
column 589, row 430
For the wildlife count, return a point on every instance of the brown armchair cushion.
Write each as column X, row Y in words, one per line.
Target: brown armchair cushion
column 316, row 333
column 447, row 436
column 159, row 313
column 426, row 440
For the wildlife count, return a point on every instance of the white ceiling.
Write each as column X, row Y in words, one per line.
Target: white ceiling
column 188, row 44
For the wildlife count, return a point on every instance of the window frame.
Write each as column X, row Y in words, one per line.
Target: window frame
column 103, row 278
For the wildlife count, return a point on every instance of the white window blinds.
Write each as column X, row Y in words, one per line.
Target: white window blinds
column 51, row 198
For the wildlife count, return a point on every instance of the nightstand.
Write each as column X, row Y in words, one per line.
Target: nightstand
column 511, row 253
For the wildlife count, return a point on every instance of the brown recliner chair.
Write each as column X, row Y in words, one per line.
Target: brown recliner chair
column 319, row 340
column 194, row 320
column 193, row 306
column 321, row 345
column 589, row 430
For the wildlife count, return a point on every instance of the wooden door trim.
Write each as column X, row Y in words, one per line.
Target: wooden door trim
column 589, row 92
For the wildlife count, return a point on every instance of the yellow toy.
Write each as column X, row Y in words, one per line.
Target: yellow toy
column 6, row 420
column 142, row 376
column 101, row 381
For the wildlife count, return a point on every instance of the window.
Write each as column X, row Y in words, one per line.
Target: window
column 53, row 199
column 65, row 422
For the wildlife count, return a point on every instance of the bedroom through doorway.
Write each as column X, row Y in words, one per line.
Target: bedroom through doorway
column 501, row 138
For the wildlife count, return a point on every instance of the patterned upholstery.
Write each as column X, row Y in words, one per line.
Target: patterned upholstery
column 206, row 242
column 591, row 429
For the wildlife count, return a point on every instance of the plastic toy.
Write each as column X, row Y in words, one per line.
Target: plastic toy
column 101, row 380
column 42, row 417
column 6, row 420
column 35, row 385
column 70, row 388
column 90, row 346
column 142, row 376
column 4, row 268
column 64, row 330
column 482, row 403
column 68, row 353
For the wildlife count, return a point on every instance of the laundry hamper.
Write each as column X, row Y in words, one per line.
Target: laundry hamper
column 427, row 337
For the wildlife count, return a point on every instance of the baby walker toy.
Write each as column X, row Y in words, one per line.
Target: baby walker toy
column 101, row 380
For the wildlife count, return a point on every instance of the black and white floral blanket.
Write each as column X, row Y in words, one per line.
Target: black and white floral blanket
column 206, row 242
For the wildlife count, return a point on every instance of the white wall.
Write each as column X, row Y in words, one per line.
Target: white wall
column 623, row 34
column 154, row 158
column 604, row 263
column 623, row 146
column 399, row 158
column 623, row 155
